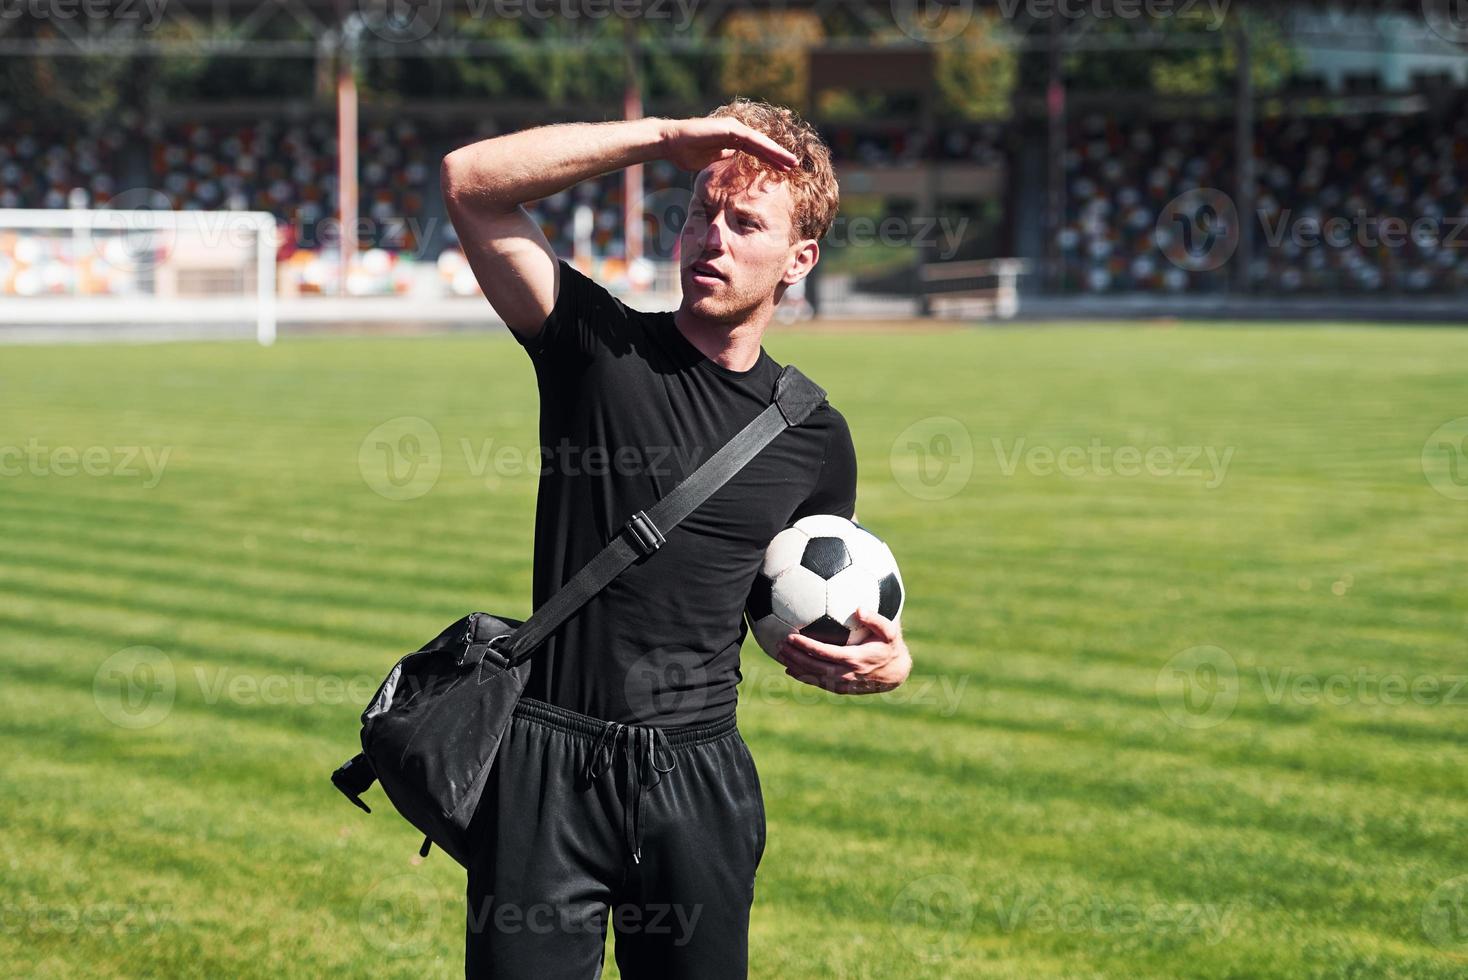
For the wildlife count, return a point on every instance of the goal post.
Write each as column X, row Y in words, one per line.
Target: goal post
column 118, row 266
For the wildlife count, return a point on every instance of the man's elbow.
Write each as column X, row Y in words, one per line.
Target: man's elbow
column 451, row 178
column 467, row 185
column 462, row 180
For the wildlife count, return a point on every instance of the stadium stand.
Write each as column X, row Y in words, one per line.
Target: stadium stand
column 1120, row 175
column 40, row 168
column 1361, row 172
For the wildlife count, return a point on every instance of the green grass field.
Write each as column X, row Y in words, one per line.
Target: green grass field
column 1178, row 714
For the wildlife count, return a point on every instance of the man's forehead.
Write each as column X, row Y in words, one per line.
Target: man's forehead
column 720, row 182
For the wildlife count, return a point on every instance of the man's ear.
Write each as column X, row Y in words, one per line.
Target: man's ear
column 802, row 261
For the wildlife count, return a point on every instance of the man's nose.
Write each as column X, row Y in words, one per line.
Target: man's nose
column 710, row 233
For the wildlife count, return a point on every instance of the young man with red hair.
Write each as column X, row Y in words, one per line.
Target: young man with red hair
column 623, row 782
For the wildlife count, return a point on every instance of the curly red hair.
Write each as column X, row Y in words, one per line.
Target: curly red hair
column 812, row 186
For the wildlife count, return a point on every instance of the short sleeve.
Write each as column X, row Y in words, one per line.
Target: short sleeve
column 585, row 320
column 835, row 488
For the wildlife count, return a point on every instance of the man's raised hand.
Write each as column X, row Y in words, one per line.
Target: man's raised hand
column 692, row 144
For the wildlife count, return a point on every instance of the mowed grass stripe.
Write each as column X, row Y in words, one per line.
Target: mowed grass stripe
column 1055, row 777
column 844, row 836
column 326, row 528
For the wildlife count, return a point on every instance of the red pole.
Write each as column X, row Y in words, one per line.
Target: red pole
column 632, row 176
column 346, row 172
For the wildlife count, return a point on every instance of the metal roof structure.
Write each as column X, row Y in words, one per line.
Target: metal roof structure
column 449, row 28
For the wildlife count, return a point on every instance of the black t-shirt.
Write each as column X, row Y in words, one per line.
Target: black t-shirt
column 628, row 408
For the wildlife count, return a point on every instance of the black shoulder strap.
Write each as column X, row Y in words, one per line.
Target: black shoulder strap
column 795, row 397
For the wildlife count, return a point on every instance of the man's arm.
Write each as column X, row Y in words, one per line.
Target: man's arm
column 486, row 185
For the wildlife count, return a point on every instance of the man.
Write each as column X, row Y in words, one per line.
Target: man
column 623, row 782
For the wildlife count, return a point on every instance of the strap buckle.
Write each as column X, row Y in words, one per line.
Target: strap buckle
column 645, row 536
column 353, row 778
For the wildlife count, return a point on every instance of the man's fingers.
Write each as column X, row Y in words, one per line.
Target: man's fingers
column 757, row 143
column 798, row 659
column 885, row 629
column 866, row 656
column 842, row 685
column 826, row 651
column 835, row 683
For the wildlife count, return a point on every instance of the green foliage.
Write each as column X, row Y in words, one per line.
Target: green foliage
column 576, row 65
column 778, row 73
column 977, row 70
column 61, row 90
column 1209, row 67
column 199, row 76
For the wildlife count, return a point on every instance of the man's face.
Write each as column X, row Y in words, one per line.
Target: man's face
column 736, row 246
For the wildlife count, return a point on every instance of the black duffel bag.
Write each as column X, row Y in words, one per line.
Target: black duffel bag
column 433, row 728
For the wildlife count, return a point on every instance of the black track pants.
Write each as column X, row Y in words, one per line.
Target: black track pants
column 658, row 830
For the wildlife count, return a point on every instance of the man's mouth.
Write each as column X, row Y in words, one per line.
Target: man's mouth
column 705, row 273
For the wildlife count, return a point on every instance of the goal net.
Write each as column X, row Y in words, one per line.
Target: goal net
column 188, row 271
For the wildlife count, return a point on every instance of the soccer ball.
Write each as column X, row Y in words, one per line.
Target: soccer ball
column 816, row 574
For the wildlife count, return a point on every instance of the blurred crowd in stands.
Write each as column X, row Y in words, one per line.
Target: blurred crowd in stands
column 1373, row 204
column 1119, row 178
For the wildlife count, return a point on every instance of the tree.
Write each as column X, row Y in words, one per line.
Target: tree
column 977, row 70
column 777, row 72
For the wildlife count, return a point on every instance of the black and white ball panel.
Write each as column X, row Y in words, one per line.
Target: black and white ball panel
column 814, row 577
column 889, row 591
column 759, row 605
column 825, row 556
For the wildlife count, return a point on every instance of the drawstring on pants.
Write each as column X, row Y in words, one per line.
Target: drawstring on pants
column 643, row 772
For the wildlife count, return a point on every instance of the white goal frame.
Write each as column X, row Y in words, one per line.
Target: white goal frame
column 80, row 221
